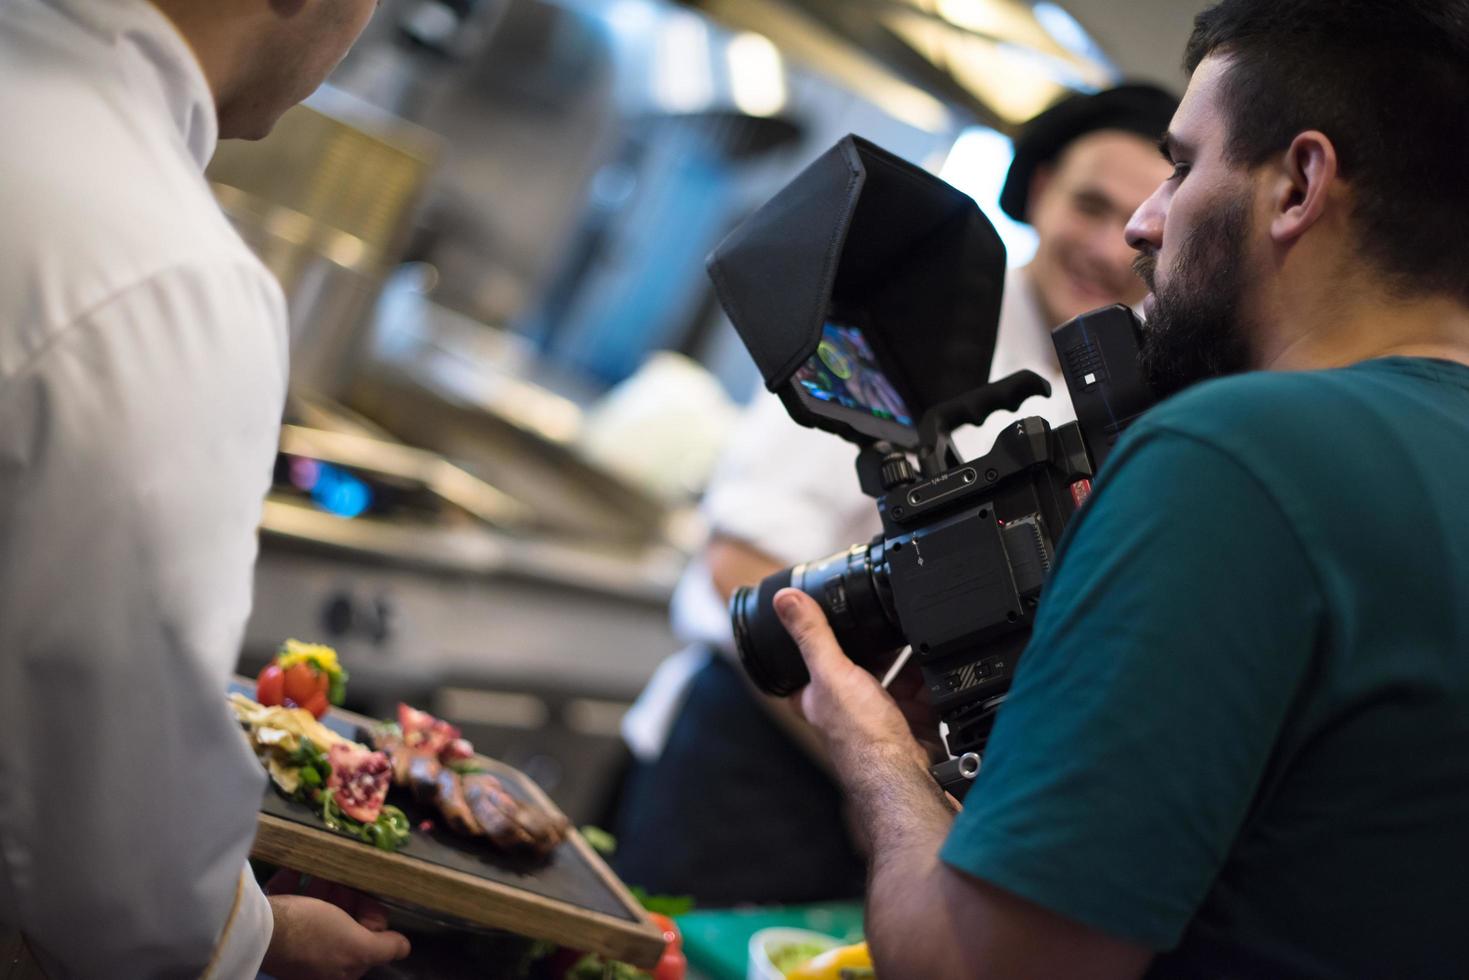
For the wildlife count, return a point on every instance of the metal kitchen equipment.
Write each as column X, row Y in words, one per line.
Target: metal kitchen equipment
column 327, row 201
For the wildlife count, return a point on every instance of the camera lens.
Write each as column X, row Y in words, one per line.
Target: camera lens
column 851, row 588
column 769, row 655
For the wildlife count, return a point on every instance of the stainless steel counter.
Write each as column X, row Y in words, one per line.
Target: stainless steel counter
column 513, row 614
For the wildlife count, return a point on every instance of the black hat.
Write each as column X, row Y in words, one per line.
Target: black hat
column 1135, row 108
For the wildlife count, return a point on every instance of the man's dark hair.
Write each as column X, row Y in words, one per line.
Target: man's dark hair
column 1388, row 82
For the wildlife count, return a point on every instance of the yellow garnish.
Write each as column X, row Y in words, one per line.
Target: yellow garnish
column 296, row 652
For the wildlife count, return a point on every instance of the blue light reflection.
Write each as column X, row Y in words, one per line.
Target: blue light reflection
column 334, row 489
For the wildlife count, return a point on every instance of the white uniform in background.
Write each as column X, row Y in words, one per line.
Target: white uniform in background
column 792, row 493
column 143, row 359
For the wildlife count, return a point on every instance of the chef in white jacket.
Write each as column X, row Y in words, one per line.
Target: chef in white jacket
column 143, row 365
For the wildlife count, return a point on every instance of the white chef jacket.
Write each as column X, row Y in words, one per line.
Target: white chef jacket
column 143, row 359
column 792, row 493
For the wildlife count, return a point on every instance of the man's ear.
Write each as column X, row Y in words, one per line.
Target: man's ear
column 1306, row 175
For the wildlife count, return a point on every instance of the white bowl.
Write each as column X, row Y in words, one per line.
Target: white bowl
column 767, row 940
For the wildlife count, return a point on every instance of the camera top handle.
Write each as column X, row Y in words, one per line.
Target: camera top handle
column 936, row 452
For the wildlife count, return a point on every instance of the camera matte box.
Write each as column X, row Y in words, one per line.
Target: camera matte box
column 868, row 238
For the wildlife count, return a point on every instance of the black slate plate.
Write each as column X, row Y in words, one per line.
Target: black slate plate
column 562, row 876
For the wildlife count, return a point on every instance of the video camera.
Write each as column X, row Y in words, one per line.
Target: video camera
column 868, row 292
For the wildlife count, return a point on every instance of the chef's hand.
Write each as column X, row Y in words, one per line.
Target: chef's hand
column 328, row 933
column 846, row 703
column 364, row 908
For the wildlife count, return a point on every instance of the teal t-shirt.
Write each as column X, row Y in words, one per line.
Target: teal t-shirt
column 1240, row 732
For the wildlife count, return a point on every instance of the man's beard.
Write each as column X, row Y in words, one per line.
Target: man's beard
column 1194, row 330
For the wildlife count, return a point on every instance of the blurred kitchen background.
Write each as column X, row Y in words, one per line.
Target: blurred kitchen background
column 510, row 375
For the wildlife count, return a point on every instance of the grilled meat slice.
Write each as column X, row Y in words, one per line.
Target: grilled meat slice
column 545, row 830
column 453, row 806
column 423, row 775
column 507, row 821
column 474, row 805
column 494, row 809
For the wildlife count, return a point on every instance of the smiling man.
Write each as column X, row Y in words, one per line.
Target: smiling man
column 1080, row 170
column 1238, row 742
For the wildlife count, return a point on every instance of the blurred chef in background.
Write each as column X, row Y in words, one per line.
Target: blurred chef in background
column 720, row 804
column 143, row 362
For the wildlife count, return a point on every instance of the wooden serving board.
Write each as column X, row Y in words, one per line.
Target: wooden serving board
column 570, row 897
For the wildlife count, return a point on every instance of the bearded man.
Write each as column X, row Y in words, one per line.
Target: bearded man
column 1238, row 741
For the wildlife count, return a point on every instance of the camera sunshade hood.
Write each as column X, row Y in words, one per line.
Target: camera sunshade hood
column 867, row 237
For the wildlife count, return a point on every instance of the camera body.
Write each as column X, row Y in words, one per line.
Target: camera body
column 959, row 567
column 868, row 294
